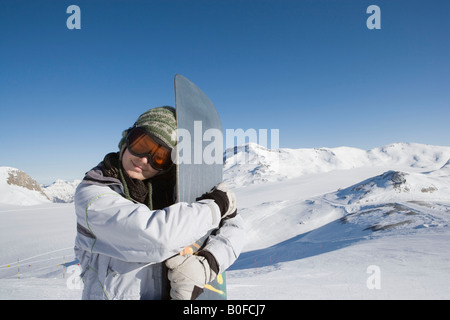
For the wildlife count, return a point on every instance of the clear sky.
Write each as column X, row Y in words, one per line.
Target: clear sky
column 310, row 68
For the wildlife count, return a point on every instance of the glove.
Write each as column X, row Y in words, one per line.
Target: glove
column 224, row 198
column 188, row 275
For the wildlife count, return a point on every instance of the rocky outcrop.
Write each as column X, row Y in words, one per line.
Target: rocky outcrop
column 21, row 179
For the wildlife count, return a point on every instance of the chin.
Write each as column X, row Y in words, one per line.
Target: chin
column 141, row 175
column 135, row 175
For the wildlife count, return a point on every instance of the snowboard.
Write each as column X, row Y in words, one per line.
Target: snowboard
column 196, row 114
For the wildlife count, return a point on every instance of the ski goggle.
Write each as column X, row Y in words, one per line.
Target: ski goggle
column 141, row 144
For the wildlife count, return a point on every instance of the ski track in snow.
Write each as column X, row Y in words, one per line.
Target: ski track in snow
column 36, row 256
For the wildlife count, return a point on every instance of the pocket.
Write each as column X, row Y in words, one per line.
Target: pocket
column 121, row 281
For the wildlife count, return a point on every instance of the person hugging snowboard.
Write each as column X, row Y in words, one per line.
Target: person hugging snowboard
column 130, row 231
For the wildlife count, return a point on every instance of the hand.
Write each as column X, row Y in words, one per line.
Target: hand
column 188, row 275
column 224, row 198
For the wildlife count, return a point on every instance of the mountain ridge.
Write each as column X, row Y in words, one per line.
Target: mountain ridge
column 251, row 164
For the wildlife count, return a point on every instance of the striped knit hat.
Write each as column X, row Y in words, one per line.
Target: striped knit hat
column 161, row 122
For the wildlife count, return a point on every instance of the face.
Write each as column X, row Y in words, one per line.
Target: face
column 137, row 168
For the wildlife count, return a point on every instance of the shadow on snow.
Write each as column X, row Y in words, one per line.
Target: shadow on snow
column 332, row 236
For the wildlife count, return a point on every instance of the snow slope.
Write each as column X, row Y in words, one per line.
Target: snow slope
column 338, row 223
column 36, row 251
column 306, row 245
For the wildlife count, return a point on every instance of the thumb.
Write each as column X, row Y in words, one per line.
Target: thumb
column 174, row 262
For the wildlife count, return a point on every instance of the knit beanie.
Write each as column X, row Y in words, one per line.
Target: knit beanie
column 160, row 122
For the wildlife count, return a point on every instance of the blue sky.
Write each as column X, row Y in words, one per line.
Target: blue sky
column 310, row 68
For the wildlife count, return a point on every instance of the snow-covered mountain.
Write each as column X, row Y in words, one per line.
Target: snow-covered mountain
column 296, row 198
column 392, row 199
column 16, row 187
column 304, row 243
column 61, row 191
column 253, row 164
column 317, row 221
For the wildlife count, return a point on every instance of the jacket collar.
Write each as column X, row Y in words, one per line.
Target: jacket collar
column 95, row 176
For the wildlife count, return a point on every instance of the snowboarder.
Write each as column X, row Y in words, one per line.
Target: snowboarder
column 130, row 232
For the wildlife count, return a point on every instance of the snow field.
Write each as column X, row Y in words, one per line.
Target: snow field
column 323, row 224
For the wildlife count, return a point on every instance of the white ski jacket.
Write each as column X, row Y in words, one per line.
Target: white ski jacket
column 122, row 245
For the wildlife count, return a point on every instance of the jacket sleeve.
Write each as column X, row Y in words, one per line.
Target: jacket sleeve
column 131, row 232
column 226, row 243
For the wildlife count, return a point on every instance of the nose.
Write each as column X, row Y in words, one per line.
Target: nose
column 141, row 160
column 144, row 160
